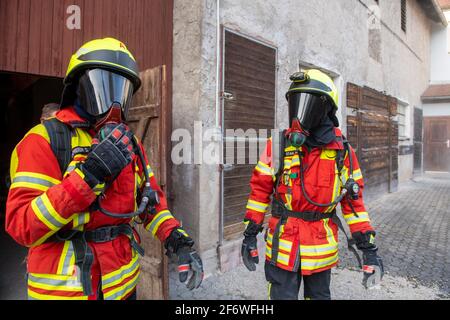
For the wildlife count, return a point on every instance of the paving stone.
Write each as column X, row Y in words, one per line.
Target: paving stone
column 413, row 236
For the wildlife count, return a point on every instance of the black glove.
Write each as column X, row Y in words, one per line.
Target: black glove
column 372, row 263
column 180, row 243
column 249, row 249
column 111, row 151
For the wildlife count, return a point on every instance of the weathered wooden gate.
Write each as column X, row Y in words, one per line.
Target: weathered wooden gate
column 373, row 133
column 149, row 119
column 249, row 104
column 437, row 144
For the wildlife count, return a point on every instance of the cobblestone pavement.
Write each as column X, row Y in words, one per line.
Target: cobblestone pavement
column 412, row 234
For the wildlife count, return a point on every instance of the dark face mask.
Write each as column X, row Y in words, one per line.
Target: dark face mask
column 308, row 108
column 313, row 114
column 98, row 90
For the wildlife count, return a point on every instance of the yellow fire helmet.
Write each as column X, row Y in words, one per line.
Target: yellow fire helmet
column 316, row 82
column 107, row 53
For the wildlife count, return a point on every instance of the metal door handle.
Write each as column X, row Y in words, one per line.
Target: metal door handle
column 448, row 143
column 227, row 167
column 227, row 95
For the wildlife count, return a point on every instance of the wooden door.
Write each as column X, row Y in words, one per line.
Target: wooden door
column 372, row 131
column 149, row 118
column 249, row 104
column 437, row 144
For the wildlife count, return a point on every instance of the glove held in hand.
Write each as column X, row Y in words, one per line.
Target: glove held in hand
column 111, row 151
column 180, row 243
column 249, row 249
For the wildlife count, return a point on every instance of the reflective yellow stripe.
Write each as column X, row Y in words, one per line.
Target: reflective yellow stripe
column 33, row 180
column 47, row 214
column 312, row 264
column 116, row 277
column 357, row 174
column 70, row 167
column 319, row 250
column 29, row 185
column 183, row 232
column 80, row 173
column 283, row 244
column 39, row 130
column 295, row 161
column 48, row 282
column 52, row 211
column 38, row 176
column 287, row 195
column 66, row 263
column 38, row 296
column 257, row 206
column 287, row 163
column 41, row 217
column 282, row 257
column 352, row 219
column 290, row 148
column 63, row 257
column 139, row 181
column 158, row 220
column 120, row 292
column 43, row 238
column 99, row 188
column 336, row 188
column 150, row 171
column 264, row 168
column 80, row 219
column 330, row 236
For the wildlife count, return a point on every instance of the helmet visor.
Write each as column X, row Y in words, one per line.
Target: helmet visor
column 309, row 108
column 98, row 89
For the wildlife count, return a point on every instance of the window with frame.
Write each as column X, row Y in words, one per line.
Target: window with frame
column 403, row 121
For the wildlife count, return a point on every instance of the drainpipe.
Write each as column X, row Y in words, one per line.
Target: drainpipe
column 219, row 118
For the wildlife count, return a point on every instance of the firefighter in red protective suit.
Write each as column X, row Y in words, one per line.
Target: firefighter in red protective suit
column 317, row 170
column 80, row 184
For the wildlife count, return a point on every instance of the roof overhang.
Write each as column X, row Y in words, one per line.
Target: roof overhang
column 433, row 10
column 437, row 93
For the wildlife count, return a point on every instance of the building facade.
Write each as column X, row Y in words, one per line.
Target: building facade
column 227, row 51
column 436, row 99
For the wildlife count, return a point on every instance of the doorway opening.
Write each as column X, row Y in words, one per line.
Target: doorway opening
column 437, row 144
column 22, row 97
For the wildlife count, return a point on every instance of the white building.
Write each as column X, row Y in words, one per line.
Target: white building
column 436, row 99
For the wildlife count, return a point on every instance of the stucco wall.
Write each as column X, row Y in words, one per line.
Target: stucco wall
column 333, row 35
column 436, row 109
column 440, row 57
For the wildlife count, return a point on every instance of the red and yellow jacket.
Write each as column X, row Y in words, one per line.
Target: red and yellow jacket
column 42, row 201
column 309, row 246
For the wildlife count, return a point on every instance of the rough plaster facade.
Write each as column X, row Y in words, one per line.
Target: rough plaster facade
column 332, row 35
column 440, row 67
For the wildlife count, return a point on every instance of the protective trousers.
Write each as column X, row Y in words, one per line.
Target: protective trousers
column 285, row 285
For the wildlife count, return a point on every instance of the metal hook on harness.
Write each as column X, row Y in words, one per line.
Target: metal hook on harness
column 149, row 196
